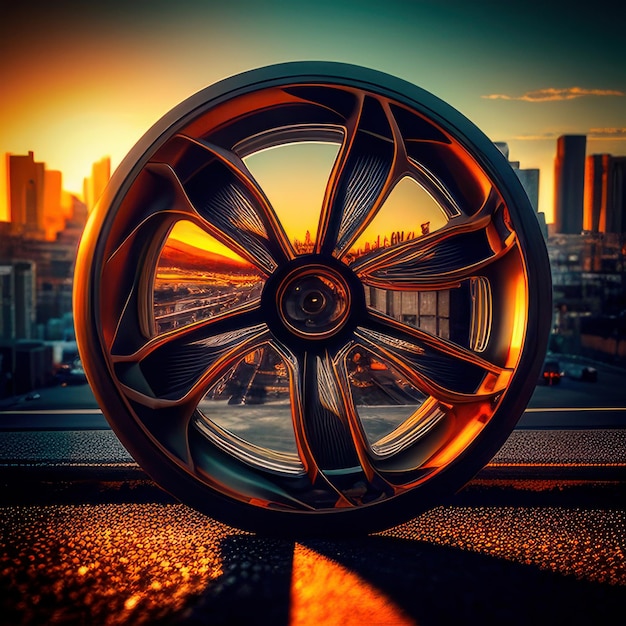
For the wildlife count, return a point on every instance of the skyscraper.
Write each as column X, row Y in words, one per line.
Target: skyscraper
column 95, row 184
column 53, row 215
column 17, row 300
column 616, row 215
column 530, row 181
column 569, row 184
column 25, row 299
column 26, row 195
column 7, row 302
column 605, row 194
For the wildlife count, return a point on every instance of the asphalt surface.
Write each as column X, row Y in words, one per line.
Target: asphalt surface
column 538, row 537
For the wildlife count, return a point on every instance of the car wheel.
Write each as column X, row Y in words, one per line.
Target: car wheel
column 314, row 299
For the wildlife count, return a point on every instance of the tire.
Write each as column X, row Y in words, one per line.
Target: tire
column 328, row 380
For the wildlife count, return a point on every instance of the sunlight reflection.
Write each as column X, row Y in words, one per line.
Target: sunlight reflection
column 325, row 592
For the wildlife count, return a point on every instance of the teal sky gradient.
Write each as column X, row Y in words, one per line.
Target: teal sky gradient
column 80, row 83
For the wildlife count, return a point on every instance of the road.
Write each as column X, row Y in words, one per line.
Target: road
column 570, row 404
column 515, row 549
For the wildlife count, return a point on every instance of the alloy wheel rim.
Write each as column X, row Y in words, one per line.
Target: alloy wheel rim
column 318, row 333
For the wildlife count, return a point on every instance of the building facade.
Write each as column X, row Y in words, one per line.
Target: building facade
column 569, row 184
column 605, row 194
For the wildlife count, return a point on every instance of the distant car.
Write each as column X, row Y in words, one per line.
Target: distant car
column 585, row 373
column 551, row 373
column 71, row 374
column 32, row 396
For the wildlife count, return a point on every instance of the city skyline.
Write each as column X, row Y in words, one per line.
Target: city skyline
column 88, row 82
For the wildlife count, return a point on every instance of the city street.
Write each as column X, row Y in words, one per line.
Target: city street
column 569, row 404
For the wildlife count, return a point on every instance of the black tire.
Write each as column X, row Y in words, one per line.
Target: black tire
column 324, row 338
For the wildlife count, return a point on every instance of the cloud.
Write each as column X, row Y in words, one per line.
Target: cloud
column 607, row 133
column 548, row 135
column 616, row 134
column 551, row 94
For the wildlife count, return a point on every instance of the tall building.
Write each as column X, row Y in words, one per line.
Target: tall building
column 530, row 182
column 53, row 214
column 617, row 216
column 7, row 302
column 95, row 184
column 17, row 300
column 25, row 299
column 569, row 184
column 605, row 194
column 26, row 195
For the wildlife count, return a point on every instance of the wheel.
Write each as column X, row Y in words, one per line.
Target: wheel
column 314, row 299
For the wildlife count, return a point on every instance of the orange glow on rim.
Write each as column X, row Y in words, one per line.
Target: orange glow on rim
column 519, row 320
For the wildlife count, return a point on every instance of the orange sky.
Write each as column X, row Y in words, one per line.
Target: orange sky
column 83, row 81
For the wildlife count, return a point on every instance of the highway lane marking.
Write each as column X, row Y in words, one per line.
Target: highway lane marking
column 54, row 412
column 99, row 412
column 575, row 409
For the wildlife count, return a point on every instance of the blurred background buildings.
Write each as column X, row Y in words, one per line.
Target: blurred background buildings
column 37, row 253
column 586, row 244
column 587, row 247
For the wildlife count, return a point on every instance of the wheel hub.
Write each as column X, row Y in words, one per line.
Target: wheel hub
column 314, row 300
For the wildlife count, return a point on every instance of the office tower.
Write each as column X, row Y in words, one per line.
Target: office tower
column 528, row 177
column 596, row 192
column 17, row 299
column 54, row 218
column 26, row 195
column 530, row 182
column 569, row 182
column 25, row 299
column 7, row 301
column 605, row 194
column 95, row 184
column 616, row 214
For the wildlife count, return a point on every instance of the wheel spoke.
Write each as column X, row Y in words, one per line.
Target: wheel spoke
column 443, row 259
column 154, row 204
column 371, row 160
column 177, row 367
column 434, row 365
column 221, row 206
column 159, row 196
column 325, row 436
column 329, row 434
column 234, row 202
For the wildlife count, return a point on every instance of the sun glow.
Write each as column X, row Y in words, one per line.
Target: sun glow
column 189, row 233
column 294, row 179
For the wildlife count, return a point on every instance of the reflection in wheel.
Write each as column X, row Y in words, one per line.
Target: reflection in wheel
column 313, row 299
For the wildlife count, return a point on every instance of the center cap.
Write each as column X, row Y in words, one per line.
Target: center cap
column 313, row 301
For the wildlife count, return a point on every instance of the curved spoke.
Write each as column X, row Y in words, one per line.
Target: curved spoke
column 126, row 319
column 371, row 160
column 225, row 212
column 443, row 259
column 329, row 434
column 438, row 367
column 248, row 211
column 175, row 368
column 322, row 431
column 154, row 203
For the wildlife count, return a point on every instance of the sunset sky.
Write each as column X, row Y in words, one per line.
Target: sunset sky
column 80, row 82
